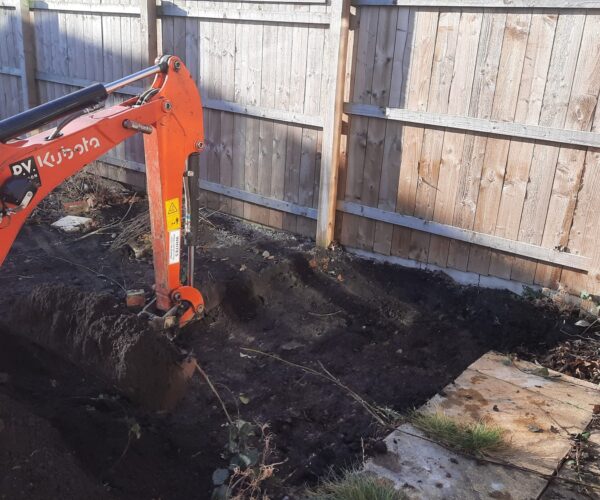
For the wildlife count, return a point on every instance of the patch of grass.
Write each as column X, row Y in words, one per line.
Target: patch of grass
column 354, row 485
column 474, row 437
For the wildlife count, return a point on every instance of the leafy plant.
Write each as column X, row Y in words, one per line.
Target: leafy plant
column 355, row 485
column 248, row 449
column 472, row 437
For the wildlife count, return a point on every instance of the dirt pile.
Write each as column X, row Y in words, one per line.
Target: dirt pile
column 94, row 332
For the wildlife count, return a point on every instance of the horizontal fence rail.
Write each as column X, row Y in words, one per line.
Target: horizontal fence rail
column 480, row 4
column 485, row 240
column 191, row 11
column 491, row 127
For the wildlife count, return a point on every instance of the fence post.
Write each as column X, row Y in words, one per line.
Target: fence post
column 149, row 30
column 335, row 59
column 27, row 54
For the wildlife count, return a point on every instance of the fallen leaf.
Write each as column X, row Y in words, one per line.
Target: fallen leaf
column 243, row 267
column 244, row 399
column 265, row 254
column 340, row 277
column 596, row 410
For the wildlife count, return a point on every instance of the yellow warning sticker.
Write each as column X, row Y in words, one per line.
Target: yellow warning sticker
column 173, row 214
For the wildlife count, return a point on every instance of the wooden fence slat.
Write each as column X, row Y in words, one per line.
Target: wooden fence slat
column 266, row 127
column 482, row 97
column 211, row 37
column 253, row 125
column 239, row 137
column 227, row 66
column 569, row 32
column 312, row 105
column 207, row 81
column 375, row 139
column 392, row 147
column 584, row 236
column 280, row 131
column 529, row 105
column 453, row 142
column 431, row 150
column 423, row 32
column 569, row 168
column 496, row 151
column 294, row 138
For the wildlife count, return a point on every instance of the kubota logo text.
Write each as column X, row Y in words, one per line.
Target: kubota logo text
column 55, row 159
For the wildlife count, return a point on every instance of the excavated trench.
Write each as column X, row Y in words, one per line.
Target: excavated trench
column 93, row 331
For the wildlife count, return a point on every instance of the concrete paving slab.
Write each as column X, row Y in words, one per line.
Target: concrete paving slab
column 425, row 470
column 539, row 412
column 537, row 428
column 556, row 386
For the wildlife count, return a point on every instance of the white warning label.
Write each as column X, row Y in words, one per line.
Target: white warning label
column 174, row 246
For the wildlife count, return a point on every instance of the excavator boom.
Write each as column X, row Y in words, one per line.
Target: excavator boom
column 168, row 114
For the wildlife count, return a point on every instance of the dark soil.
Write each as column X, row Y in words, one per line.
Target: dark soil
column 396, row 336
column 95, row 332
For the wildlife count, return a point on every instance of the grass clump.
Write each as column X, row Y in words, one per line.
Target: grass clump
column 354, row 485
column 472, row 437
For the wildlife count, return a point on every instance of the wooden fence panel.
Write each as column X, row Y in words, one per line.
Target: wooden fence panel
column 260, row 81
column 528, row 66
column 472, row 127
column 77, row 46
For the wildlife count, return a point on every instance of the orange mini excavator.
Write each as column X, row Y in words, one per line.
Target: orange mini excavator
column 168, row 114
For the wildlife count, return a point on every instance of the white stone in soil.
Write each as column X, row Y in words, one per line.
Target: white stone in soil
column 72, row 224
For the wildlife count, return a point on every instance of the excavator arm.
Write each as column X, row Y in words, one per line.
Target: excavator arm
column 168, row 114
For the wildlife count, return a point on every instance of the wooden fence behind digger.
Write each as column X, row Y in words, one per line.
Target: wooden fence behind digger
column 443, row 134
